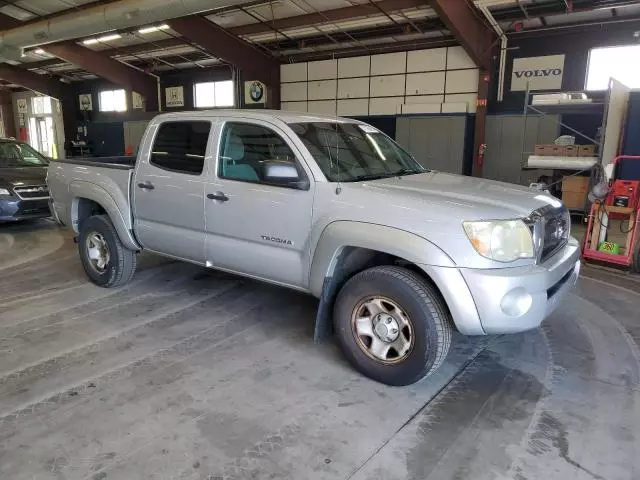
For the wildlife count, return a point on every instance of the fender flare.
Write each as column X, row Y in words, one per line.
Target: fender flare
column 91, row 191
column 325, row 276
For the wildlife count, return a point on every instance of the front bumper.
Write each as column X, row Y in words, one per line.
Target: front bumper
column 12, row 209
column 507, row 300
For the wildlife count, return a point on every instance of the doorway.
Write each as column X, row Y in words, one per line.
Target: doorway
column 41, row 127
column 41, row 135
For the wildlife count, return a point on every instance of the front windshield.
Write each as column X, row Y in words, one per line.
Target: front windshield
column 350, row 152
column 15, row 154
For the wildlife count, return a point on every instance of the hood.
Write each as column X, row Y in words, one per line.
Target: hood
column 478, row 198
column 16, row 176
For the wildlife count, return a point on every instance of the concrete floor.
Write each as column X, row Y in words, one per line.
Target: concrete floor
column 199, row 375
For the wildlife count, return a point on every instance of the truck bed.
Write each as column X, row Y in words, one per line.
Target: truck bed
column 121, row 162
column 106, row 180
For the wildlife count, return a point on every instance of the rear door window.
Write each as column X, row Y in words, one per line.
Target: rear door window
column 181, row 146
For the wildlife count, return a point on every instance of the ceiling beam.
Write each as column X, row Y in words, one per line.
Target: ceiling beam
column 551, row 8
column 7, row 22
column 43, row 84
column 362, row 36
column 397, row 46
column 114, row 52
column 463, row 19
column 333, row 15
column 222, row 44
column 104, row 66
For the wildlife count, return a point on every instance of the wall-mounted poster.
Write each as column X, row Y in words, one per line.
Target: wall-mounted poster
column 137, row 101
column 541, row 73
column 255, row 92
column 86, row 104
column 21, row 104
column 175, row 96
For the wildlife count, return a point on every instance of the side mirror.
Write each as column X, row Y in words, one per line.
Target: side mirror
column 284, row 174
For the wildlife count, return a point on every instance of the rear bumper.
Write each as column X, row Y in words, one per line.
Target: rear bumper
column 508, row 300
column 12, row 209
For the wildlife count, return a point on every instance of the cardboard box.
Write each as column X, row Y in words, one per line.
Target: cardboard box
column 557, row 151
column 586, row 150
column 543, row 150
column 575, row 185
column 570, row 151
column 574, row 200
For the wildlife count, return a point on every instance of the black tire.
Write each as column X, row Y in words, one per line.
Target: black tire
column 424, row 306
column 122, row 262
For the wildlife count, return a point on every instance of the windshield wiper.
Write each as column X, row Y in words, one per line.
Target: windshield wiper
column 408, row 171
column 370, row 176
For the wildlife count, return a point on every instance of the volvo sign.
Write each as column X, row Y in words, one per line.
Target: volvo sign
column 541, row 73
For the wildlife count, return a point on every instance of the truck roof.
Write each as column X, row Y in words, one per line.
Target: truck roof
column 283, row 116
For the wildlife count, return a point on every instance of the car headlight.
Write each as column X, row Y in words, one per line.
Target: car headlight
column 501, row 240
column 4, row 191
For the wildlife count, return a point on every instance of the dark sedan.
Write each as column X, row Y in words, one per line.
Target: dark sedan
column 23, row 188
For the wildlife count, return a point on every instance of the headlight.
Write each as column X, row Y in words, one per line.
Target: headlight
column 4, row 191
column 501, row 240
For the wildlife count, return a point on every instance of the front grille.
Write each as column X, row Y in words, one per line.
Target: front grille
column 32, row 191
column 555, row 228
column 33, row 208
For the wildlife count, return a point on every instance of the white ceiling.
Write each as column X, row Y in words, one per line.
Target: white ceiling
column 29, row 9
column 268, row 11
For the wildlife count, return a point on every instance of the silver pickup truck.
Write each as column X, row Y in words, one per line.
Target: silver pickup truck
column 398, row 255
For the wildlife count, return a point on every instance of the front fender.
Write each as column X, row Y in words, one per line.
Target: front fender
column 331, row 262
column 91, row 191
column 400, row 243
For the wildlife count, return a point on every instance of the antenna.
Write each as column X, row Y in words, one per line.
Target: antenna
column 338, row 186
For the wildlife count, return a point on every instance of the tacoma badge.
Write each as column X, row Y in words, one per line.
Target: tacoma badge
column 283, row 241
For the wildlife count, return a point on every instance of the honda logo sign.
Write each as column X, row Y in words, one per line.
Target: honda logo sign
column 540, row 73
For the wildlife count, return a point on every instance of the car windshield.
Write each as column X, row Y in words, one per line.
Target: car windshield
column 16, row 154
column 351, row 152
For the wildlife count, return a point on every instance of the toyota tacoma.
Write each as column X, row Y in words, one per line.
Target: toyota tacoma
column 399, row 256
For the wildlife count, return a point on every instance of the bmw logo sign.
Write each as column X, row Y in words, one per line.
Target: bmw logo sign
column 256, row 91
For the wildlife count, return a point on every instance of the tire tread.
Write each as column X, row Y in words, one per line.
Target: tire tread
column 127, row 261
column 428, row 296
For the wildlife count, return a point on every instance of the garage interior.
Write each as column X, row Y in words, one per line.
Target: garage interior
column 194, row 373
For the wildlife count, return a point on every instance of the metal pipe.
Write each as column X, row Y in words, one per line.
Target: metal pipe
column 503, row 50
column 99, row 19
column 533, row 31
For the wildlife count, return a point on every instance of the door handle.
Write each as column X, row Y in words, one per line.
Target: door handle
column 146, row 185
column 219, row 196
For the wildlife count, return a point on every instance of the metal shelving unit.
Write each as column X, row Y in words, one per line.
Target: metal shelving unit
column 574, row 108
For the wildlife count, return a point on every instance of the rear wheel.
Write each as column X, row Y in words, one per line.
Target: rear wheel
column 392, row 325
column 105, row 260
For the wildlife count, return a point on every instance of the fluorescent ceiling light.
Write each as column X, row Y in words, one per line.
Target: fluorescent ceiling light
column 155, row 28
column 107, row 38
column 39, row 51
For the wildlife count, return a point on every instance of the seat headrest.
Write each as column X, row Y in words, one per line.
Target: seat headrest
column 235, row 148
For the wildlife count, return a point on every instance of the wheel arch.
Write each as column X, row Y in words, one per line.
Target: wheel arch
column 347, row 248
column 91, row 200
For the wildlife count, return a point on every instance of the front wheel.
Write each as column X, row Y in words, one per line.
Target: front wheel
column 105, row 260
column 392, row 325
